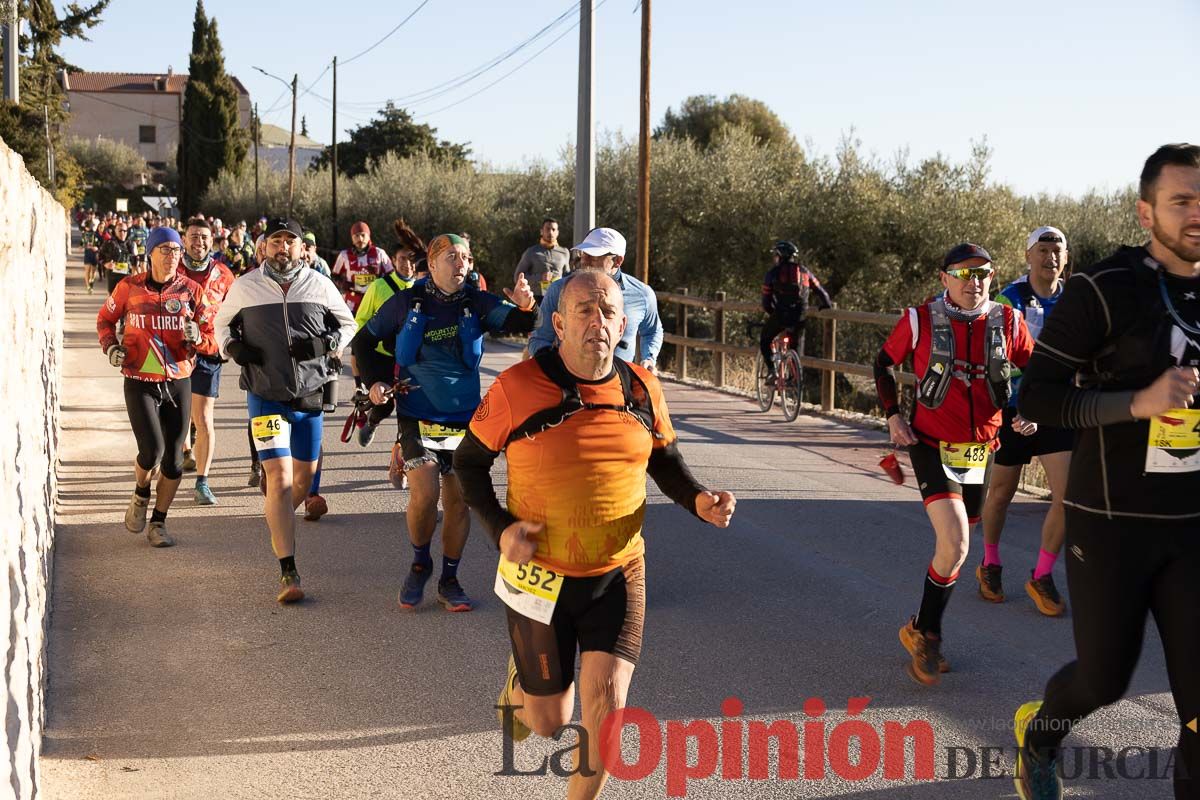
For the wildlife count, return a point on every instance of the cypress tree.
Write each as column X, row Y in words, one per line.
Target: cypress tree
column 210, row 136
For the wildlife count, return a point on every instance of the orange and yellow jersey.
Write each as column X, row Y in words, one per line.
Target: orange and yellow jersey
column 585, row 478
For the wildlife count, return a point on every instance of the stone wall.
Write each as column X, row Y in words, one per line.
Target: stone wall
column 34, row 232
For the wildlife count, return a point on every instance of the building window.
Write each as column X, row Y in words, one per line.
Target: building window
column 146, row 134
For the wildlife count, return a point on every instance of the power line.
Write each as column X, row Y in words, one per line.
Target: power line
column 389, row 34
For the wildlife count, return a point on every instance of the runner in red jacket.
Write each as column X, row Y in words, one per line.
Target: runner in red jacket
column 963, row 347
column 166, row 320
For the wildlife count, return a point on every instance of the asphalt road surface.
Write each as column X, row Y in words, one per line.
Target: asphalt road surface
column 173, row 673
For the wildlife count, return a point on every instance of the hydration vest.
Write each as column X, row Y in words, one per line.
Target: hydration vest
column 791, row 288
column 636, row 398
column 943, row 366
column 412, row 334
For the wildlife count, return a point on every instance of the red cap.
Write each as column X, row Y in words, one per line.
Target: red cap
column 360, row 227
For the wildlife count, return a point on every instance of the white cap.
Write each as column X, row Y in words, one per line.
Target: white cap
column 1046, row 233
column 602, row 241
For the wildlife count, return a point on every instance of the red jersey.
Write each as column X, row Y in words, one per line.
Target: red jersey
column 154, row 318
column 215, row 282
column 361, row 270
column 967, row 414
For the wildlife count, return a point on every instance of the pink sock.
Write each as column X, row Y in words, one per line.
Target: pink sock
column 1045, row 564
column 991, row 555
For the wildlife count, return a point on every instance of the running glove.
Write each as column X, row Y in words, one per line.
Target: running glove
column 116, row 354
column 191, row 331
column 243, row 353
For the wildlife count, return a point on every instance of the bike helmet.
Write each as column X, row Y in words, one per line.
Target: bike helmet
column 785, row 250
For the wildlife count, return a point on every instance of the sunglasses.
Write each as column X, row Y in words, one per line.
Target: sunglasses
column 971, row 273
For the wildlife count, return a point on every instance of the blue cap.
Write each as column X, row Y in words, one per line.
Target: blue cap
column 963, row 252
column 161, row 236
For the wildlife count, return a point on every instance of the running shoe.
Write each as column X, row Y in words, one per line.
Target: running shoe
column 315, row 507
column 289, row 588
column 518, row 730
column 135, row 514
column 1035, row 778
column 1045, row 595
column 451, row 595
column 990, row 588
column 255, row 474
column 926, row 652
column 414, row 586
column 204, row 496
column 366, row 434
column 189, row 463
column 157, row 535
column 89, row 287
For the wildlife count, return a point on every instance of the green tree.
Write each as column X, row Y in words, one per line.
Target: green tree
column 704, row 119
column 43, row 101
column 108, row 163
column 210, row 134
column 304, row 126
column 396, row 133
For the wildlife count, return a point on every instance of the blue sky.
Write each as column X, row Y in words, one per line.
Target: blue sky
column 1070, row 95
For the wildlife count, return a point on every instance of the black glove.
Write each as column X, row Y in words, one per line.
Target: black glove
column 243, row 353
column 312, row 347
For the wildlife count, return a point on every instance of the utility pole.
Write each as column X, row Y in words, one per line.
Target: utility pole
column 257, row 205
column 49, row 147
column 585, row 135
column 333, row 143
column 292, row 148
column 643, row 197
column 12, row 26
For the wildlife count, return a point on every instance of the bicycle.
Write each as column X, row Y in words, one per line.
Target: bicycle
column 789, row 375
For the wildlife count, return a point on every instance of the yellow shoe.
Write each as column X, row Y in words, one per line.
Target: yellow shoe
column 1034, row 778
column 519, row 731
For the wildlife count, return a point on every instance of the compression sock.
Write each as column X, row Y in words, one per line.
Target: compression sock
column 449, row 568
column 1045, row 564
column 421, row 556
column 287, row 564
column 142, row 491
column 934, row 598
column 316, row 483
column 158, row 516
column 991, row 555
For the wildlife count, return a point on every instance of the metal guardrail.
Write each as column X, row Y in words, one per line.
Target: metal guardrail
column 829, row 365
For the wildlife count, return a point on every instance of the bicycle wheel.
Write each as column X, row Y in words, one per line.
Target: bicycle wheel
column 793, row 386
column 764, row 391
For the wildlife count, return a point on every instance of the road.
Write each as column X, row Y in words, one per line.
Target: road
column 173, row 673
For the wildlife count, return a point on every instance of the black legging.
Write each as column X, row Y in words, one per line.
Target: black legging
column 772, row 328
column 111, row 279
column 159, row 412
column 1118, row 571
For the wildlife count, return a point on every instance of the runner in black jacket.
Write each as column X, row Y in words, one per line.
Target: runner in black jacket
column 1117, row 361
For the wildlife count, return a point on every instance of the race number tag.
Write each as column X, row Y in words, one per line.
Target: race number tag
column 363, row 279
column 436, row 436
column 529, row 589
column 271, row 432
column 1174, row 444
column 121, row 267
column 964, row 463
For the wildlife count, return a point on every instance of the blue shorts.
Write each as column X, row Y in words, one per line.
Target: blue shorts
column 206, row 376
column 280, row 431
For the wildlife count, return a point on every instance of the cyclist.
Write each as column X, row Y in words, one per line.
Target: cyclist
column 281, row 323
column 437, row 327
column 787, row 289
column 1118, row 362
column 603, row 249
column 359, row 265
column 599, row 462
column 1034, row 294
column 166, row 322
column 963, row 347
column 214, row 278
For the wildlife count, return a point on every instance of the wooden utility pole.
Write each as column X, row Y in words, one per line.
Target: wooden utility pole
column 333, row 241
column 257, row 134
column 292, row 149
column 643, row 197
column 585, row 131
